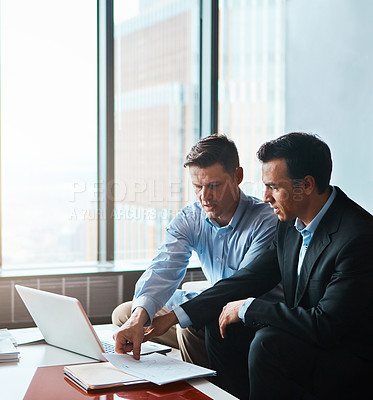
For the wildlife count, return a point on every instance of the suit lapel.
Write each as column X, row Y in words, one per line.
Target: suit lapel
column 320, row 240
column 291, row 255
column 318, row 244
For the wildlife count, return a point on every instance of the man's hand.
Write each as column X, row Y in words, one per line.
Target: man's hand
column 160, row 325
column 229, row 315
column 131, row 334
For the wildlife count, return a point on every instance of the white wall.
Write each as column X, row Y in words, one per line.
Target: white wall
column 329, row 85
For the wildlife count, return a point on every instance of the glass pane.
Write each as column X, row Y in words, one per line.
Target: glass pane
column 156, row 117
column 251, row 79
column 48, row 131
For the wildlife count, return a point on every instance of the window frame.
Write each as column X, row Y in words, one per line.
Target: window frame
column 105, row 131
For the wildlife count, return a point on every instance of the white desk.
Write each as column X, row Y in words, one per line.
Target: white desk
column 16, row 377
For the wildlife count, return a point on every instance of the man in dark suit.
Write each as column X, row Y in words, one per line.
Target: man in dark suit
column 320, row 340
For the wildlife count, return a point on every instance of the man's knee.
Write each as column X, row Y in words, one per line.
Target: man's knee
column 192, row 345
column 269, row 343
column 212, row 332
column 121, row 313
column 266, row 335
column 190, row 335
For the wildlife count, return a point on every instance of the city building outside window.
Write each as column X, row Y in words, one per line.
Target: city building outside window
column 48, row 132
column 157, row 90
column 251, row 96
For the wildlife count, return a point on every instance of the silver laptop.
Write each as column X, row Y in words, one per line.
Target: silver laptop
column 63, row 322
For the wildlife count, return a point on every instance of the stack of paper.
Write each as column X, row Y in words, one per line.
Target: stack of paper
column 123, row 369
column 8, row 352
column 5, row 334
column 99, row 376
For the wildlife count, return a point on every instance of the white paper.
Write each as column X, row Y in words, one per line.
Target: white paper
column 5, row 334
column 27, row 335
column 157, row 368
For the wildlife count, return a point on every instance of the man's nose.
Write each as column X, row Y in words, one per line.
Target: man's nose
column 267, row 197
column 205, row 193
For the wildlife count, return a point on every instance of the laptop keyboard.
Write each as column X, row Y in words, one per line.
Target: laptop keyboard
column 108, row 347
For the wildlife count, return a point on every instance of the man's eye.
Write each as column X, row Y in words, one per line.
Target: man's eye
column 214, row 186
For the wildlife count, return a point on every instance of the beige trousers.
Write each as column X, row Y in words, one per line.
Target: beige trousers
column 190, row 342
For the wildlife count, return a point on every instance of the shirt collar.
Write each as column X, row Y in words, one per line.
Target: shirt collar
column 311, row 227
column 236, row 216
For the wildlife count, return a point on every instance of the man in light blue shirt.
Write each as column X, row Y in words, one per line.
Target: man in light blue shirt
column 226, row 228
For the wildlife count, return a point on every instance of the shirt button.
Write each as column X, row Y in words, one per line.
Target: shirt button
column 217, row 259
column 220, row 236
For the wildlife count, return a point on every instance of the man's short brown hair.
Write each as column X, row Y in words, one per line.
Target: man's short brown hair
column 214, row 149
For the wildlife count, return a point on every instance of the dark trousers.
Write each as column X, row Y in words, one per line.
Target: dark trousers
column 269, row 364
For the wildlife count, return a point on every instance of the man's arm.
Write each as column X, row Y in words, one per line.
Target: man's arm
column 160, row 281
column 260, row 276
column 263, row 225
column 163, row 323
column 256, row 278
column 208, row 305
column 160, row 325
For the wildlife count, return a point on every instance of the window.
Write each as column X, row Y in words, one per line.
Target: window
column 182, row 70
column 157, row 64
column 251, row 97
column 48, row 131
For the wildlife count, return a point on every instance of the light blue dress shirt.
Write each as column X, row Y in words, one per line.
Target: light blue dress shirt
column 308, row 231
column 307, row 234
column 221, row 251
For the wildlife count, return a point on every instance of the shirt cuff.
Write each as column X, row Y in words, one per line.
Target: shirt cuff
column 148, row 306
column 244, row 307
column 182, row 316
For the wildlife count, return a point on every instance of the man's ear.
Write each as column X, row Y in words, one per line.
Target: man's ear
column 238, row 175
column 309, row 184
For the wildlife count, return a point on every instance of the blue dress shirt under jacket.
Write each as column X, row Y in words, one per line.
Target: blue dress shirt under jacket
column 307, row 234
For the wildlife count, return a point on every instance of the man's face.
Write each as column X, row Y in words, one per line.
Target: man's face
column 217, row 191
column 287, row 201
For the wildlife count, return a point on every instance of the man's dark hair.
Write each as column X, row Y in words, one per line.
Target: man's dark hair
column 214, row 149
column 305, row 154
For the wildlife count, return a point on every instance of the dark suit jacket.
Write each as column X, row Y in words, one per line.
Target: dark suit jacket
column 330, row 305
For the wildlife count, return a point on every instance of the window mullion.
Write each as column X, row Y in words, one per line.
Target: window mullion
column 209, row 67
column 105, row 130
